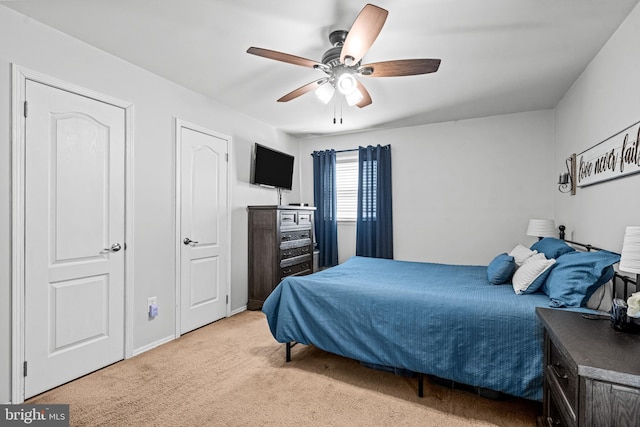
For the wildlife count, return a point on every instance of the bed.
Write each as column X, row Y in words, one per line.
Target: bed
column 442, row 320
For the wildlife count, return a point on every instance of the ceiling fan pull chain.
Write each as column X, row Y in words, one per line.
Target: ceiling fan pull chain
column 335, row 101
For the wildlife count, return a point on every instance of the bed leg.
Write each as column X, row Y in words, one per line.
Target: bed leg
column 420, row 385
column 288, row 348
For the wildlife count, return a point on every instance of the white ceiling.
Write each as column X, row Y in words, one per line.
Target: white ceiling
column 498, row 56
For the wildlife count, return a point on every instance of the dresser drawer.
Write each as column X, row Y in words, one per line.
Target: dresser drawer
column 293, row 252
column 288, row 219
column 563, row 383
column 287, row 236
column 304, row 218
column 561, row 412
column 288, row 262
column 553, row 417
column 302, row 268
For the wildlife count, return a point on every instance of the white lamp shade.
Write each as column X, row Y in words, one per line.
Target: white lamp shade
column 353, row 98
column 325, row 92
column 630, row 257
column 542, row 228
column 346, row 83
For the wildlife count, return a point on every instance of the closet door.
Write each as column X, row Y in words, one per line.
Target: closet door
column 204, row 224
column 74, row 236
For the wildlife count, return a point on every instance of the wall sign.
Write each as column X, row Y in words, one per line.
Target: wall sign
column 613, row 158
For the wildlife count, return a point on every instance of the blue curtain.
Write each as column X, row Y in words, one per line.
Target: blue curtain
column 324, row 198
column 374, row 232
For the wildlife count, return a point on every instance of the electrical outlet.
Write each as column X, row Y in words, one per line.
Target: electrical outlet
column 152, row 307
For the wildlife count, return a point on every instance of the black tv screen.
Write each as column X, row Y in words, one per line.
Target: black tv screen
column 271, row 168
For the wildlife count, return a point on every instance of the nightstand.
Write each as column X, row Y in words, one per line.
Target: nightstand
column 591, row 372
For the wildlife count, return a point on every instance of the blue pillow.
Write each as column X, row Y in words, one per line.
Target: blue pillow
column 577, row 275
column 500, row 269
column 551, row 247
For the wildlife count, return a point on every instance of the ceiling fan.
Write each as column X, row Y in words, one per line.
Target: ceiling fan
column 342, row 62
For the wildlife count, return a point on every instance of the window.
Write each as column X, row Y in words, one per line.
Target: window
column 347, row 185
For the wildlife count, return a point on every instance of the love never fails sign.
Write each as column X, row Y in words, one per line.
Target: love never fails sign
column 613, row 158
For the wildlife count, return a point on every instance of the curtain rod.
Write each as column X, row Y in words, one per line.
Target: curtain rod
column 388, row 146
column 343, row 151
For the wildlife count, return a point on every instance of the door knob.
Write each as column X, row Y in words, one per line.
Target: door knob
column 114, row 248
column 188, row 241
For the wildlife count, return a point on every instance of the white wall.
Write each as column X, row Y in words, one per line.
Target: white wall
column 602, row 102
column 156, row 102
column 463, row 191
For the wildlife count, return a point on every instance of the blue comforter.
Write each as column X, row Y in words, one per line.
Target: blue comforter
column 443, row 320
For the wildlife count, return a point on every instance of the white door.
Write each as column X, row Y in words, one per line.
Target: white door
column 204, row 226
column 74, row 236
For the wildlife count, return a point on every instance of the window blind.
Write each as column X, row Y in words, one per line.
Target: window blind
column 347, row 186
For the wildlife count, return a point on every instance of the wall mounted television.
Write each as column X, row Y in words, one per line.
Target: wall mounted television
column 271, row 168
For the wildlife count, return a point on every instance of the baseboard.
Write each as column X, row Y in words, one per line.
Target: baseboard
column 238, row 310
column 153, row 345
column 171, row 337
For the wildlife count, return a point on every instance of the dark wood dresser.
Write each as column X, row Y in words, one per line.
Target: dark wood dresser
column 591, row 372
column 280, row 245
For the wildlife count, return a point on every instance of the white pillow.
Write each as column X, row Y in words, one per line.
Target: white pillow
column 529, row 272
column 601, row 298
column 535, row 257
column 521, row 253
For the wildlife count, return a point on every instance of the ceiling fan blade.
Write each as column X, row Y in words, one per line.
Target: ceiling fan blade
column 401, row 67
column 363, row 33
column 366, row 98
column 302, row 90
column 284, row 57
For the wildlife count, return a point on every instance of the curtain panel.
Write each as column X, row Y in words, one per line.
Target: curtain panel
column 324, row 198
column 374, row 232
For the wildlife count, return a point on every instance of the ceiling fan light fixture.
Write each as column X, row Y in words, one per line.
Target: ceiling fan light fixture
column 353, row 98
column 325, row 93
column 342, row 62
column 346, row 83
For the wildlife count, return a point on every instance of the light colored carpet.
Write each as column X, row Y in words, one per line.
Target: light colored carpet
column 233, row 373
